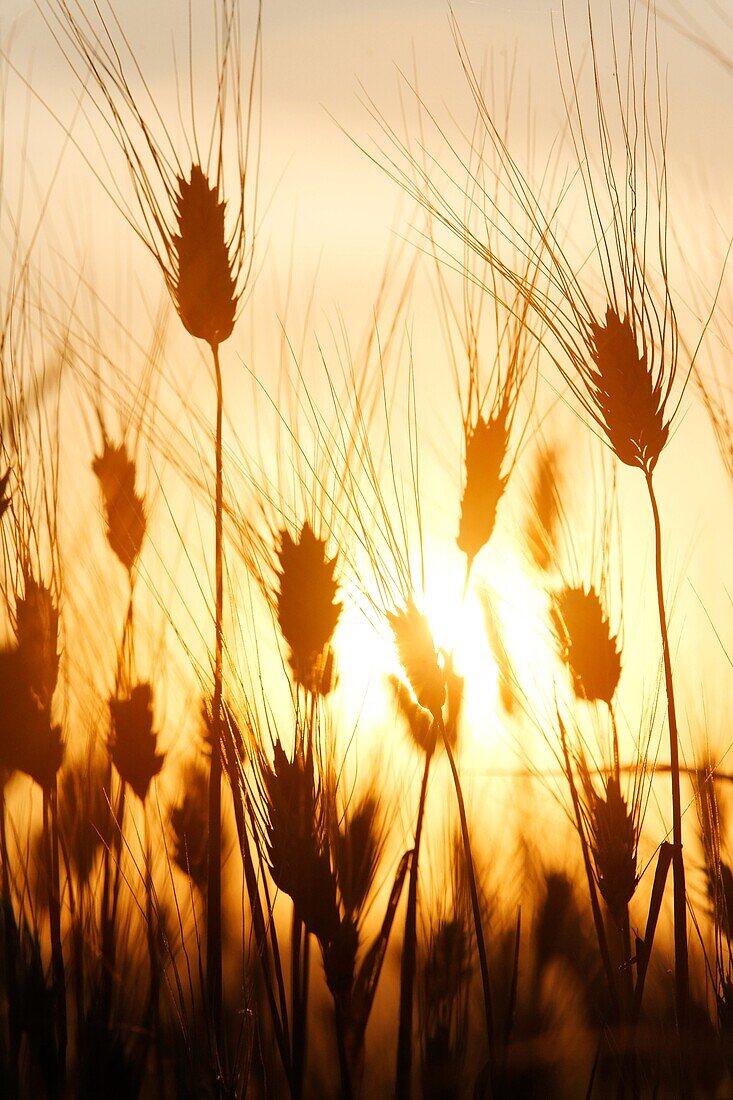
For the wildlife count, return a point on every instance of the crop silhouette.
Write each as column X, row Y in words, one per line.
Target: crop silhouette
column 338, row 756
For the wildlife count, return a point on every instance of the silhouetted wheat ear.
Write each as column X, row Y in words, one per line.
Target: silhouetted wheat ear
column 629, row 399
column 189, row 824
column 445, row 978
column 455, row 686
column 28, row 741
column 307, row 609
column 357, row 845
column 204, row 287
column 37, row 629
column 486, row 448
column 447, row 966
column 614, row 839
column 297, row 843
column 585, row 643
column 85, row 818
column 718, row 873
column 124, row 509
column 559, row 929
column 133, row 741
column 419, row 721
column 418, row 656
column 541, row 528
column 357, row 852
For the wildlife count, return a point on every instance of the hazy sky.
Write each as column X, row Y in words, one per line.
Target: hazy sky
column 331, row 216
column 322, row 57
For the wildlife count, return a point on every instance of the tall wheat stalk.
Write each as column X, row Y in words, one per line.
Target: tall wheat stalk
column 205, row 268
column 478, row 920
column 213, row 923
column 678, row 863
column 417, row 654
column 408, row 961
column 620, row 362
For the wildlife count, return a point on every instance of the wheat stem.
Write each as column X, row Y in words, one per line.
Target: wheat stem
column 473, row 889
column 213, row 901
column 592, row 892
column 261, row 927
column 403, row 1078
column 347, row 1090
column 50, row 830
column 678, row 866
column 298, row 1009
column 154, row 990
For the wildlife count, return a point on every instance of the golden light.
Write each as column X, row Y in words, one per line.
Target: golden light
column 366, row 655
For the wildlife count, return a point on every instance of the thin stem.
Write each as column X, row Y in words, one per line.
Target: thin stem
column 678, row 866
column 213, row 897
column 110, row 898
column 592, row 892
column 614, row 735
column 403, row 1077
column 628, row 977
column 298, row 1055
column 347, row 1090
column 119, row 823
column 54, row 915
column 627, row 1078
column 154, row 990
column 473, row 889
column 259, row 924
column 124, row 660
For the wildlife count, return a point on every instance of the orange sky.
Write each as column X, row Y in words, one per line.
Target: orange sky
column 332, row 217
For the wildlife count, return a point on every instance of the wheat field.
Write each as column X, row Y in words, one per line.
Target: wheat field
column 366, row 445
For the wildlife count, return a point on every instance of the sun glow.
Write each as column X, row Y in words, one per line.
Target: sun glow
column 366, row 654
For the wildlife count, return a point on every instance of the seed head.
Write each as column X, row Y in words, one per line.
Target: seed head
column 132, row 741
column 540, row 531
column 124, row 509
column 180, row 213
column 614, row 838
column 486, row 448
column 28, row 741
column 630, row 401
column 358, row 849
column 85, row 818
column 445, row 978
column 189, row 822
column 507, row 678
column 307, row 609
column 296, row 841
column 455, row 685
column 37, row 627
column 585, row 643
column 559, row 929
column 418, row 657
column 204, row 288
column 448, row 965
column 713, row 830
column 419, row 721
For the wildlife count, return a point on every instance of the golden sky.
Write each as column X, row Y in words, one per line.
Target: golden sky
column 330, row 219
